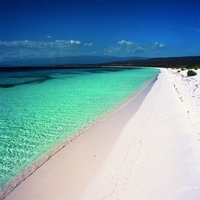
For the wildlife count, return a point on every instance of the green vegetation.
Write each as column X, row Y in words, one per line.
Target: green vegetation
column 191, row 73
column 184, row 67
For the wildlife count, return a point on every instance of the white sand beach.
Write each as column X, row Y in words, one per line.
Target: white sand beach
column 151, row 154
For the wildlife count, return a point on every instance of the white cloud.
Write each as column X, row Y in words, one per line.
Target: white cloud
column 162, row 45
column 59, row 48
column 124, row 48
column 128, row 48
column 156, row 47
column 88, row 44
column 124, row 42
column 75, row 42
column 48, row 36
column 157, row 44
column 112, row 50
column 29, row 43
column 39, row 49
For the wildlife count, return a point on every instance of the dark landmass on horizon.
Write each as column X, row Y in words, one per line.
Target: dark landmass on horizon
column 162, row 62
column 67, row 60
column 152, row 62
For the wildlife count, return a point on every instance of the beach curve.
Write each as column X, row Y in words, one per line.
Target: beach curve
column 154, row 156
column 119, row 116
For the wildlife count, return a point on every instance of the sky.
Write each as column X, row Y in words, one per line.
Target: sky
column 58, row 28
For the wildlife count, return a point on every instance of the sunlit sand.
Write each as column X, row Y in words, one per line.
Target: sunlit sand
column 153, row 153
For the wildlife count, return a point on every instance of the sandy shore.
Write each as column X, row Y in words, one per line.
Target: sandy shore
column 153, row 154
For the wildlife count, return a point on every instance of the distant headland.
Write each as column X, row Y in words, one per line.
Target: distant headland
column 165, row 62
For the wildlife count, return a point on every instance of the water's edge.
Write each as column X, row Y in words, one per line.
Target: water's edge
column 137, row 98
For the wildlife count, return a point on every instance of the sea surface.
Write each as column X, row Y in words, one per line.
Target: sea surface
column 40, row 108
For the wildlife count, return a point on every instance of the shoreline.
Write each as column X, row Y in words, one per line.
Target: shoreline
column 28, row 172
column 151, row 154
column 157, row 153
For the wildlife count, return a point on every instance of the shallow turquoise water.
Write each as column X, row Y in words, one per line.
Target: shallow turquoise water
column 41, row 108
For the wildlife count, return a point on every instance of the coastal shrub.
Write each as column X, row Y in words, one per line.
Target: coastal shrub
column 191, row 73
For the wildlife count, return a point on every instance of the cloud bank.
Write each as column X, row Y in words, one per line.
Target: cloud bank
column 40, row 44
column 43, row 49
column 25, row 49
column 128, row 48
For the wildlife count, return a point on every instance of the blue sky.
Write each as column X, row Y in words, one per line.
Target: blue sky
column 59, row 28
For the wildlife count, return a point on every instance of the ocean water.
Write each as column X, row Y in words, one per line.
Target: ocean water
column 41, row 108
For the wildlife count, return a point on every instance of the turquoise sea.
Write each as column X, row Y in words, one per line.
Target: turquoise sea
column 39, row 108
